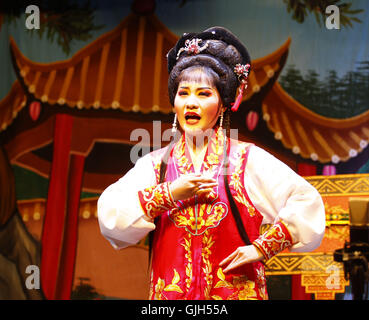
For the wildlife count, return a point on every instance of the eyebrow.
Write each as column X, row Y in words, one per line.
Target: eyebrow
column 201, row 88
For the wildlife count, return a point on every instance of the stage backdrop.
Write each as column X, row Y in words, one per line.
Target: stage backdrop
column 79, row 77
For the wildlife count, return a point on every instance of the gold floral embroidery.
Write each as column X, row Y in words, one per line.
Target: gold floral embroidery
column 173, row 286
column 184, row 165
column 276, row 239
column 235, row 179
column 188, row 256
column 218, row 212
column 160, row 287
column 212, row 159
column 215, row 151
column 260, row 280
column 156, row 199
column 156, row 163
column 222, row 283
column 244, row 288
column 197, row 219
column 207, row 242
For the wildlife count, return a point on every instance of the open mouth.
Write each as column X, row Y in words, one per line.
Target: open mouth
column 192, row 117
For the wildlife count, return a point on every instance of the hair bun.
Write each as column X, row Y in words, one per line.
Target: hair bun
column 213, row 33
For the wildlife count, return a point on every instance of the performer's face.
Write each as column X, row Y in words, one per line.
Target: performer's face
column 198, row 105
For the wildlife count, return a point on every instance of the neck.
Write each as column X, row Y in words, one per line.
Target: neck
column 197, row 143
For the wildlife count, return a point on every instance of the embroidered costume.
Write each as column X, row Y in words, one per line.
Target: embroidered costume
column 193, row 236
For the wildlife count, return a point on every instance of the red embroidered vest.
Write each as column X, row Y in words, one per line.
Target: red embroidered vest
column 193, row 236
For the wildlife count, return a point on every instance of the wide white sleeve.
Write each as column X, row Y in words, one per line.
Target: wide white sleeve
column 120, row 215
column 281, row 194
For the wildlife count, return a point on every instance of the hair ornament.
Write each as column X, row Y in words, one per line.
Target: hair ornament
column 242, row 72
column 192, row 47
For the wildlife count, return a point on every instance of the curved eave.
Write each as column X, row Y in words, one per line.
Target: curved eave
column 263, row 70
column 11, row 104
column 313, row 136
column 122, row 69
column 125, row 69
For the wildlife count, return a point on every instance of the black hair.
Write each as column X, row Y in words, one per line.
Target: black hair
column 198, row 74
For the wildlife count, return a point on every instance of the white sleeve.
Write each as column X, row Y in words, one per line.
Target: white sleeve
column 281, row 194
column 120, row 215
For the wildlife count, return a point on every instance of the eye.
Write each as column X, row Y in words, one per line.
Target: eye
column 182, row 93
column 205, row 93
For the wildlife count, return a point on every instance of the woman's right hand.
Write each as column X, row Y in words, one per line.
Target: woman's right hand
column 189, row 185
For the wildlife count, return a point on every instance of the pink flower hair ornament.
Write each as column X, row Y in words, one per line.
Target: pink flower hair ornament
column 242, row 72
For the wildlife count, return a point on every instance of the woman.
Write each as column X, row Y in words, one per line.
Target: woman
column 206, row 196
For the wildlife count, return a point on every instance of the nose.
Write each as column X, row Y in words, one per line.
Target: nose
column 192, row 102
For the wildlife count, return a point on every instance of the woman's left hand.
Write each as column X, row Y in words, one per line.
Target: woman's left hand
column 241, row 256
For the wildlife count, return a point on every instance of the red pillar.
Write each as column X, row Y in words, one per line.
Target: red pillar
column 69, row 248
column 297, row 290
column 56, row 206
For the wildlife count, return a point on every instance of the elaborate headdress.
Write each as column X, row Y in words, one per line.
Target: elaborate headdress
column 218, row 49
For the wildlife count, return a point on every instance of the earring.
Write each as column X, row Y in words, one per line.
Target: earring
column 221, row 120
column 174, row 125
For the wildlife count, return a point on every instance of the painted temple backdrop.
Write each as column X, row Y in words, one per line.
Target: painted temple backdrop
column 72, row 92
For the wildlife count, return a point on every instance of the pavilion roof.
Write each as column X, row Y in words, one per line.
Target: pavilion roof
column 311, row 135
column 126, row 69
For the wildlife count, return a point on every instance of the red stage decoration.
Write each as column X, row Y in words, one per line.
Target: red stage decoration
column 60, row 230
column 69, row 247
column 56, row 207
column 252, row 120
column 34, row 110
column 329, row 170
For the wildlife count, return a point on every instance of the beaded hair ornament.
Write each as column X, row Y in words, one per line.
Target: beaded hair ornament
column 242, row 72
column 193, row 47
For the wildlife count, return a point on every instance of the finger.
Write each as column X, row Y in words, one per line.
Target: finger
column 206, row 188
column 207, row 185
column 202, row 179
column 199, row 186
column 234, row 264
column 199, row 180
column 229, row 258
column 204, row 191
column 208, row 179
